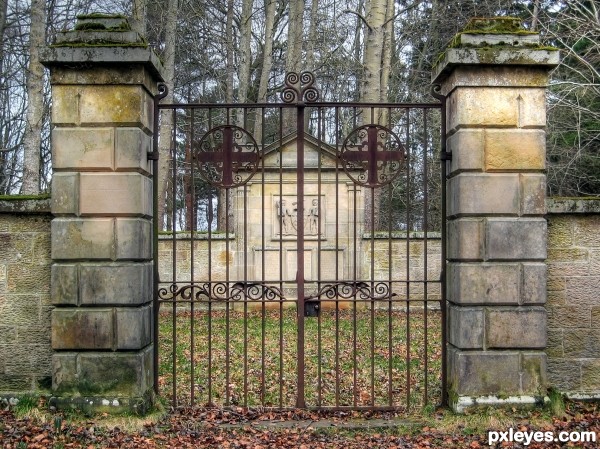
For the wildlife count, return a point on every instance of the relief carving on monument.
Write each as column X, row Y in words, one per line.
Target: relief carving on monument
column 285, row 222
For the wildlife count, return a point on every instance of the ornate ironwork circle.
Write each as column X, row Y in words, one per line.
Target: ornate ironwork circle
column 227, row 156
column 372, row 155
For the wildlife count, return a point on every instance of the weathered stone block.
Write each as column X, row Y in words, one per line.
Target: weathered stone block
column 523, row 327
column 83, row 148
column 497, row 76
column 583, row 291
column 590, row 375
column 484, row 283
column 556, row 284
column 515, row 149
column 513, row 239
column 82, row 238
column 22, row 309
column 510, row 107
column 533, row 194
column 26, row 278
column 483, row 194
column 465, row 239
column 568, row 254
column 117, row 194
column 64, row 284
column 567, row 269
column 564, row 374
column 465, row 327
column 15, row 247
column 31, row 360
column 466, row 146
column 118, row 374
column 65, row 105
column 595, row 317
column 534, row 367
column 116, row 284
column 481, row 373
column 554, row 347
column 569, row 316
column 556, row 298
column 134, row 239
column 82, row 329
column 560, row 232
column 534, row 290
column 131, row 150
column 585, row 231
column 581, row 343
column 134, row 327
column 119, row 105
column 64, row 370
column 65, row 193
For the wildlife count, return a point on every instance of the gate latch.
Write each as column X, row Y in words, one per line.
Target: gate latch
column 312, row 308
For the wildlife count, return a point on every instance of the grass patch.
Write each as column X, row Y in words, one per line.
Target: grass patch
column 352, row 358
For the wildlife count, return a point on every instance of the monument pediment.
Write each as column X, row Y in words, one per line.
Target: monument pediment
column 283, row 153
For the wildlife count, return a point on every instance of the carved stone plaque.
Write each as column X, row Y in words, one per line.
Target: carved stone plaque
column 285, row 217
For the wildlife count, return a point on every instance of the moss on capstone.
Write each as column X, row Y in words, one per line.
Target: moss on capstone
column 98, row 15
column 100, row 43
column 41, row 196
column 496, row 25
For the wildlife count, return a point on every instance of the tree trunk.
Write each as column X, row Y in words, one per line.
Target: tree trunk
column 166, row 122
column 139, row 13
column 293, row 61
column 224, row 207
column 373, row 88
column 32, row 138
column 266, row 65
column 245, row 56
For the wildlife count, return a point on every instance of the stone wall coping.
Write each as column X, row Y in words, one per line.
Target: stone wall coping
column 25, row 205
column 583, row 205
column 402, row 235
column 166, row 236
column 493, row 56
column 85, row 56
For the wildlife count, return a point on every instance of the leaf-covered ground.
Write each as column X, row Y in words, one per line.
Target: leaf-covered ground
column 202, row 428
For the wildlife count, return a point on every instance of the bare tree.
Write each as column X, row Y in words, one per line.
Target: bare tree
column 35, row 104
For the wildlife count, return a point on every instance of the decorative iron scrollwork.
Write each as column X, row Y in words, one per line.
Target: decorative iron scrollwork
column 227, row 156
column 379, row 291
column 220, row 291
column 299, row 88
column 372, row 155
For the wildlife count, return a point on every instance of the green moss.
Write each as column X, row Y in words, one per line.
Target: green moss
column 97, row 15
column 42, row 196
column 100, row 43
column 497, row 25
column 86, row 26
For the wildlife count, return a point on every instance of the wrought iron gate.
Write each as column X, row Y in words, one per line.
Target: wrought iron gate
column 301, row 263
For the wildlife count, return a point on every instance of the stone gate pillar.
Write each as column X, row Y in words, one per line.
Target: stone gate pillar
column 494, row 75
column 103, row 78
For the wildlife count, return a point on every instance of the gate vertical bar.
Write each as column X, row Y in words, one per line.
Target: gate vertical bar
column 162, row 93
column 444, row 157
column 300, row 402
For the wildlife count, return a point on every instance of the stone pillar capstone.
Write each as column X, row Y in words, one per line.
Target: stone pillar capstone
column 103, row 78
column 494, row 75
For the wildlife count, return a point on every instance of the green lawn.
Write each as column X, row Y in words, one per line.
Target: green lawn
column 347, row 357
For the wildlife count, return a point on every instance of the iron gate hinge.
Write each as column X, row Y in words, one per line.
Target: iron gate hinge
column 446, row 156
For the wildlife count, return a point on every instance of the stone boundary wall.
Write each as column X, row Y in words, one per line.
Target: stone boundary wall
column 573, row 300
column 218, row 256
column 25, row 306
column 574, row 296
